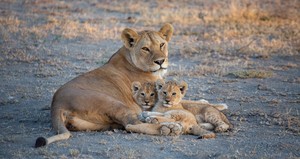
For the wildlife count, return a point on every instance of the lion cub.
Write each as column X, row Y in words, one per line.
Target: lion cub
column 169, row 109
column 144, row 94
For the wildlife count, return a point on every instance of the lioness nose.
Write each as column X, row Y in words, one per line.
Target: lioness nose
column 159, row 62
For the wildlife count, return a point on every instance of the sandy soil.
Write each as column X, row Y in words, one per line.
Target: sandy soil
column 252, row 65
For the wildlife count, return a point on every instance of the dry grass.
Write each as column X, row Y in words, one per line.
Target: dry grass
column 252, row 74
column 227, row 29
column 272, row 25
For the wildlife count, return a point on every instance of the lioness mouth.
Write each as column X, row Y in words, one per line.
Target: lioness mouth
column 159, row 69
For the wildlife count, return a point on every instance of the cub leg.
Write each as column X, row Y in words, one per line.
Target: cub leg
column 146, row 114
column 203, row 134
column 216, row 120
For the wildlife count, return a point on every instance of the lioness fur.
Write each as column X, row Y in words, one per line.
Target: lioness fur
column 101, row 99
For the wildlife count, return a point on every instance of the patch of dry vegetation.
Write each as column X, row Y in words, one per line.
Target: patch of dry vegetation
column 251, row 74
column 239, row 28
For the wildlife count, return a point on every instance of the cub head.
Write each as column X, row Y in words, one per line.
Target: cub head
column 148, row 49
column 171, row 92
column 144, row 94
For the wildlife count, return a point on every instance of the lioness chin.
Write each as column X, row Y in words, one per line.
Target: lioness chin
column 101, row 99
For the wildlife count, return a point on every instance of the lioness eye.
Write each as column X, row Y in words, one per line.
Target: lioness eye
column 174, row 94
column 165, row 93
column 152, row 94
column 162, row 45
column 142, row 94
column 146, row 49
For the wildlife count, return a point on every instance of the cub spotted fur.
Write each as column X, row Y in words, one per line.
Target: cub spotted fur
column 208, row 115
column 169, row 109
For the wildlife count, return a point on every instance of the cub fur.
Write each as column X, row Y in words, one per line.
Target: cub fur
column 169, row 109
column 144, row 94
column 207, row 115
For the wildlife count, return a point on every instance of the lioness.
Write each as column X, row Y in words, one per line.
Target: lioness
column 169, row 109
column 101, row 99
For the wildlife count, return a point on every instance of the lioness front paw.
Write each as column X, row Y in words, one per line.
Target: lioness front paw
column 171, row 129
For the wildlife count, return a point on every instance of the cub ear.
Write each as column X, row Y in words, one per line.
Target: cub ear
column 159, row 84
column 183, row 87
column 167, row 31
column 135, row 86
column 129, row 37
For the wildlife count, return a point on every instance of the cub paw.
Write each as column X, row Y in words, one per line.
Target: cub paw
column 207, row 126
column 208, row 135
column 152, row 120
column 222, row 128
column 171, row 129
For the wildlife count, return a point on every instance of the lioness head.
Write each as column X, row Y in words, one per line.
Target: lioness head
column 171, row 92
column 148, row 49
column 144, row 94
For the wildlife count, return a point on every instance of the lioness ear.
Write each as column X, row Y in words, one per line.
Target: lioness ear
column 135, row 86
column 159, row 84
column 183, row 87
column 167, row 31
column 129, row 37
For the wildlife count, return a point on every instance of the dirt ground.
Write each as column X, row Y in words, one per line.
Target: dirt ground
column 243, row 53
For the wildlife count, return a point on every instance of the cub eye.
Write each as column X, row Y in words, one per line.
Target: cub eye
column 174, row 94
column 165, row 93
column 162, row 45
column 152, row 94
column 146, row 49
column 142, row 94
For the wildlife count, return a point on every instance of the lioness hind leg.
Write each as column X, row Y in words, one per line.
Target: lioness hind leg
column 78, row 124
column 167, row 128
column 146, row 128
column 171, row 128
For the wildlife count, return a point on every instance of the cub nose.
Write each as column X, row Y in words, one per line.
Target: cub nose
column 159, row 62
